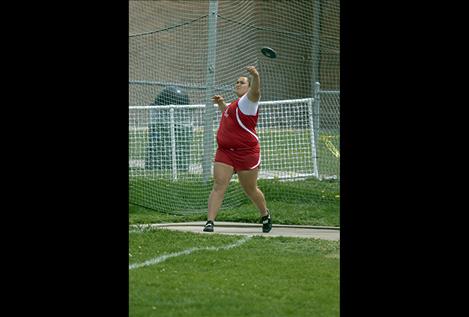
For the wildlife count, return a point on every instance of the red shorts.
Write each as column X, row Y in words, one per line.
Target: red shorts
column 244, row 159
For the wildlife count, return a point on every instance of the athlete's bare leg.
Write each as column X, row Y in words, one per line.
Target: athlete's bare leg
column 222, row 175
column 248, row 180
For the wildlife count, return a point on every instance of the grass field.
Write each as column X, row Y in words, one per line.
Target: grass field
column 174, row 273
column 190, row 197
column 187, row 274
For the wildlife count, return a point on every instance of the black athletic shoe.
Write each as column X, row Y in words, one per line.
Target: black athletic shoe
column 209, row 226
column 266, row 223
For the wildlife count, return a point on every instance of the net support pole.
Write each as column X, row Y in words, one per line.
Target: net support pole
column 173, row 145
column 316, row 62
column 314, row 152
column 316, row 119
column 210, row 82
column 316, row 52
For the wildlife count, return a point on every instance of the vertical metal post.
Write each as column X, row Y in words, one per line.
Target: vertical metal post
column 314, row 152
column 315, row 77
column 316, row 116
column 173, row 144
column 316, row 52
column 210, row 82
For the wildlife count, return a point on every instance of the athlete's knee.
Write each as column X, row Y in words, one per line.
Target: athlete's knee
column 220, row 186
column 252, row 191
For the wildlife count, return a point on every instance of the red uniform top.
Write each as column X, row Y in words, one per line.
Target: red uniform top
column 237, row 130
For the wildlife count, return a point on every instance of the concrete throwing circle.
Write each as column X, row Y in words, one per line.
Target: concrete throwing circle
column 250, row 229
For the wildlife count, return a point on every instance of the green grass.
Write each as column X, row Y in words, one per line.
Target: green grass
column 276, row 276
column 178, row 197
column 262, row 277
column 190, row 197
column 309, row 202
column 282, row 213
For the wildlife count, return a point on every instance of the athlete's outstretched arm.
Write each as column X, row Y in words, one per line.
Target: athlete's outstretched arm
column 254, row 93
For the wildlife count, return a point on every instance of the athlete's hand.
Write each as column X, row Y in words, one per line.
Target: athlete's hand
column 218, row 99
column 252, row 70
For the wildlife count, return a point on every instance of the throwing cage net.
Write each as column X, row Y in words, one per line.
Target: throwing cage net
column 181, row 53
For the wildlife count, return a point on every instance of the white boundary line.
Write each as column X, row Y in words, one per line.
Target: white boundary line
column 164, row 257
